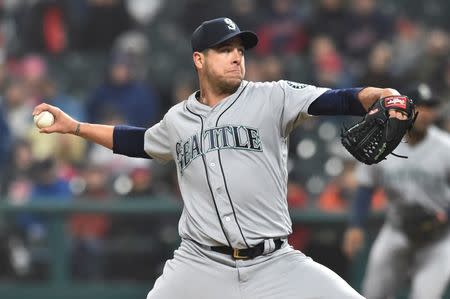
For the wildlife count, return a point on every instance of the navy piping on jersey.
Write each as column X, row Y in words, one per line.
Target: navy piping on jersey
column 207, row 176
column 223, row 173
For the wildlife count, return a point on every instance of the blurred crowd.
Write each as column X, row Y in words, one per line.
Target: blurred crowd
column 128, row 61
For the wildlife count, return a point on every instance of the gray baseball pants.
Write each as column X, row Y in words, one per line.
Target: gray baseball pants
column 199, row 273
column 392, row 261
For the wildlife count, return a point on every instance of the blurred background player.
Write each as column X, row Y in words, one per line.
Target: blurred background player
column 414, row 241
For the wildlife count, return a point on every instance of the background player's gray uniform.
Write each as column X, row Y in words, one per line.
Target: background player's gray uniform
column 421, row 179
column 231, row 163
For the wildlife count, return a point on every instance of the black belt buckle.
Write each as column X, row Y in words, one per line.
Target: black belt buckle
column 246, row 253
column 237, row 254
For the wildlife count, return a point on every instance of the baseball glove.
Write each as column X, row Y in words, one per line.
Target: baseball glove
column 421, row 226
column 377, row 135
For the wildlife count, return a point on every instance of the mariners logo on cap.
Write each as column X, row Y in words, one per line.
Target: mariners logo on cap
column 230, row 23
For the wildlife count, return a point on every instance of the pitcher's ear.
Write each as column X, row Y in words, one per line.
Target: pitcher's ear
column 199, row 59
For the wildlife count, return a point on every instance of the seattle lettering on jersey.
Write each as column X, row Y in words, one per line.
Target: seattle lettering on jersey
column 225, row 137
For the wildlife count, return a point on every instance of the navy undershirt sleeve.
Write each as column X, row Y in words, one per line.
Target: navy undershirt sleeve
column 338, row 102
column 359, row 210
column 129, row 141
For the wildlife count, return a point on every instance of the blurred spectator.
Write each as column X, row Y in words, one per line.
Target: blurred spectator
column 158, row 231
column 379, row 71
column 297, row 199
column 47, row 186
column 432, row 65
column 33, row 72
column 43, row 25
column 253, row 69
column 339, row 190
column 141, row 188
column 90, row 230
column 52, row 95
column 283, row 31
column 407, row 46
column 328, row 64
column 5, row 143
column 271, row 68
column 9, row 41
column 165, row 181
column 246, row 14
column 17, row 181
column 432, row 13
column 296, row 195
column 367, row 25
column 66, row 149
column 194, row 11
column 136, row 46
column 115, row 165
column 142, row 183
column 184, row 86
column 3, row 73
column 335, row 26
column 143, row 11
column 103, row 21
column 122, row 94
column 17, row 108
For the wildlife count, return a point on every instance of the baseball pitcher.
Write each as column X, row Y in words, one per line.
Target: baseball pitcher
column 229, row 141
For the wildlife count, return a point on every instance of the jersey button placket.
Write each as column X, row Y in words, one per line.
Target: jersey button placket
column 217, row 184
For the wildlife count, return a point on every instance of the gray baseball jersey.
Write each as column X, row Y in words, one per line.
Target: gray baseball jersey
column 422, row 179
column 231, row 161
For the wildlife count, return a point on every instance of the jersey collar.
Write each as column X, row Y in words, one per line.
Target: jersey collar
column 202, row 109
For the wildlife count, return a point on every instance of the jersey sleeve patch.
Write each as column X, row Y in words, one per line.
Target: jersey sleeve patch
column 296, row 85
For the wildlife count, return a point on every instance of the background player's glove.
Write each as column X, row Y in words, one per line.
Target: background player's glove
column 377, row 134
column 421, row 226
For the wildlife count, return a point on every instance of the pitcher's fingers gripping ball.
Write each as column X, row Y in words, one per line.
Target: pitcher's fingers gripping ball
column 44, row 119
column 378, row 134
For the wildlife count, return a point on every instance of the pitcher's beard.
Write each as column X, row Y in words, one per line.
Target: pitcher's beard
column 222, row 84
column 228, row 87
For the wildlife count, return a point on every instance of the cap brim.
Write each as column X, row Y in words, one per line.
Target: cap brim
column 249, row 39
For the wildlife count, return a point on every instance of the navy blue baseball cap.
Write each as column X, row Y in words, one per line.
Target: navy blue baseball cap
column 214, row 32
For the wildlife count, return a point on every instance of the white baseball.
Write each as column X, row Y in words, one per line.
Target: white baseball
column 44, row 119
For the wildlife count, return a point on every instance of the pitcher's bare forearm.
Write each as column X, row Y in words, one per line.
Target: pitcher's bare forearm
column 65, row 124
column 100, row 134
column 367, row 96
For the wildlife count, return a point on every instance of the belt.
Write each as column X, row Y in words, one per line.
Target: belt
column 246, row 253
